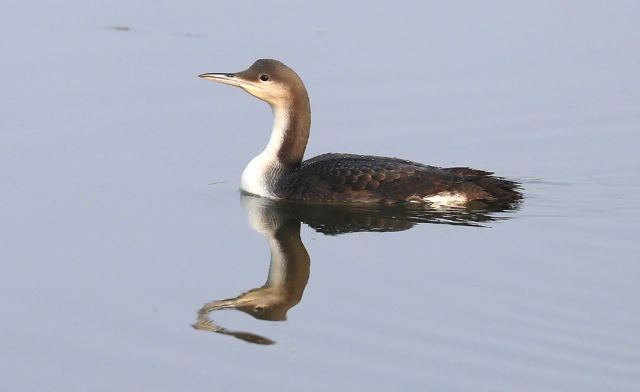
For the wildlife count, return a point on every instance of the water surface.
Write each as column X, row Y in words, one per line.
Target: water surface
column 121, row 215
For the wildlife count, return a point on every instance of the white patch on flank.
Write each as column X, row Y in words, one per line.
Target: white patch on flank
column 446, row 199
column 261, row 173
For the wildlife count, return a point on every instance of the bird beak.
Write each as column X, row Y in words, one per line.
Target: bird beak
column 224, row 78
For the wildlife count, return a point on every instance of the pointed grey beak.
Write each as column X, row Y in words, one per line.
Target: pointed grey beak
column 224, row 78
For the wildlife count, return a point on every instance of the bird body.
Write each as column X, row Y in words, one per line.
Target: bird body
column 279, row 172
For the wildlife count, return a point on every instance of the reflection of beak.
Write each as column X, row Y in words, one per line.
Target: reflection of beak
column 206, row 324
column 222, row 304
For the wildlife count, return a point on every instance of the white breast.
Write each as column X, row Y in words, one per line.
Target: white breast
column 259, row 176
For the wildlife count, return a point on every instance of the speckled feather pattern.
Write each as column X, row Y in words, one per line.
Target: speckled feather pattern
column 362, row 178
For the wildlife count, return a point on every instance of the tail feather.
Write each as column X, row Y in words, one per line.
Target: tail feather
column 499, row 188
column 482, row 185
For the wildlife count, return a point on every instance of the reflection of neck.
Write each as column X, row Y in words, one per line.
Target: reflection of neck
column 289, row 267
column 288, row 272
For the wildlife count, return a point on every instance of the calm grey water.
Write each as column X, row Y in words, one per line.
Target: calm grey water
column 121, row 216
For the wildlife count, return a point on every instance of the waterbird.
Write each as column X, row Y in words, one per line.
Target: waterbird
column 279, row 172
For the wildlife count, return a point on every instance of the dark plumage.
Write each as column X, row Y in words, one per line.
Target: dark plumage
column 364, row 178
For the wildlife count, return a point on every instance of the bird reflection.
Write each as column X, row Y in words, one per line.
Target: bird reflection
column 279, row 222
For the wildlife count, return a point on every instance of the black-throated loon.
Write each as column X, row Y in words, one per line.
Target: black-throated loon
column 280, row 173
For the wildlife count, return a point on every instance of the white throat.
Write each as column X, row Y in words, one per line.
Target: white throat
column 261, row 174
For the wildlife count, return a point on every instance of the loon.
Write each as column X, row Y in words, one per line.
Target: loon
column 280, row 173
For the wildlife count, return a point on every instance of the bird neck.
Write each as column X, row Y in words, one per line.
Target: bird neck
column 285, row 150
column 290, row 133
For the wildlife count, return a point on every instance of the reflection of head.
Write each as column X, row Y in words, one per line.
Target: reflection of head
column 264, row 303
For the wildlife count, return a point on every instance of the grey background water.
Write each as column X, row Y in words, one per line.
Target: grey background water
column 113, row 233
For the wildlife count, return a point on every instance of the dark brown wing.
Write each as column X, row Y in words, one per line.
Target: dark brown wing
column 345, row 177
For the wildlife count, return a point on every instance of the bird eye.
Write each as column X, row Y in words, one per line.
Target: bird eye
column 259, row 309
column 264, row 78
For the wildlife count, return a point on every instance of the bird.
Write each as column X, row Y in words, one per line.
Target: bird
column 280, row 172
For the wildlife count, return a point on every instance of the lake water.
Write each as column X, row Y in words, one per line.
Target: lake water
column 121, row 216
